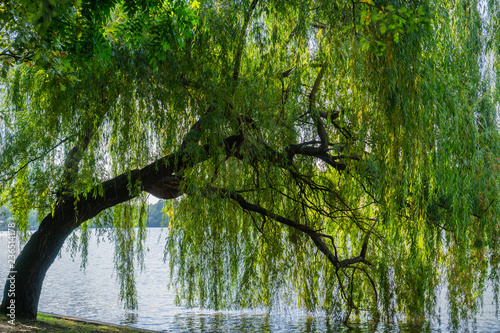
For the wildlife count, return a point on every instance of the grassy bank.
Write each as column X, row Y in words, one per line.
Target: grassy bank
column 47, row 323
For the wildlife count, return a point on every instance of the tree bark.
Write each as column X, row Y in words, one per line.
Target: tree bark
column 31, row 267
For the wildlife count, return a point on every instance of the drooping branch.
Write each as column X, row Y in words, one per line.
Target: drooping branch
column 27, row 56
column 11, row 175
column 315, row 114
column 241, row 43
column 193, row 134
column 72, row 162
column 315, row 236
column 364, row 247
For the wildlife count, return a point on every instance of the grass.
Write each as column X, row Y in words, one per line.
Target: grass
column 46, row 323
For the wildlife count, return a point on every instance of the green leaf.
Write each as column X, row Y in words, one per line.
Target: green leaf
column 383, row 28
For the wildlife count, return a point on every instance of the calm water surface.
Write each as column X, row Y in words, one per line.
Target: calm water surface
column 94, row 294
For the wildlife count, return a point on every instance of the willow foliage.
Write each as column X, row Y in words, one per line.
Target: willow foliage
column 332, row 154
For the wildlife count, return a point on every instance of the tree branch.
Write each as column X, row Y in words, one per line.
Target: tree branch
column 239, row 52
column 315, row 114
column 315, row 236
column 31, row 160
column 71, row 164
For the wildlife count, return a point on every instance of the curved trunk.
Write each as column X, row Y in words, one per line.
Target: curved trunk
column 24, row 283
column 44, row 245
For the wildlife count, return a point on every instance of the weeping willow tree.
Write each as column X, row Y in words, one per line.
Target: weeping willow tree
column 338, row 155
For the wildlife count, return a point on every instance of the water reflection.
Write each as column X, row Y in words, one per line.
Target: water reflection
column 272, row 323
column 130, row 318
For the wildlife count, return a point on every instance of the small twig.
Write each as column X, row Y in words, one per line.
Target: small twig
column 13, row 174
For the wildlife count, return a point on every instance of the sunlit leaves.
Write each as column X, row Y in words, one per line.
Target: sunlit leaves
column 375, row 22
column 84, row 31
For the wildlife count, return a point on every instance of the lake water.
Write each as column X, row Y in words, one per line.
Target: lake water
column 94, row 294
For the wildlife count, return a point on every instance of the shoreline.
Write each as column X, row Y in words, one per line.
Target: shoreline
column 95, row 322
column 51, row 322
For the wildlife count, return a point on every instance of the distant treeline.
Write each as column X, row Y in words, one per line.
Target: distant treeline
column 155, row 216
column 6, row 217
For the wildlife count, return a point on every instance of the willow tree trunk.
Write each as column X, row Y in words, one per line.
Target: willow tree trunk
column 24, row 284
